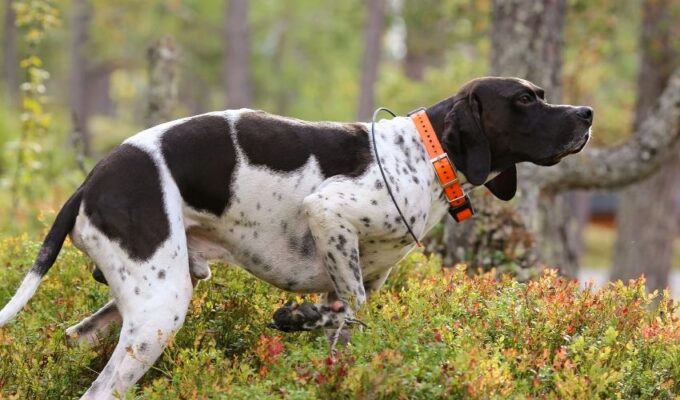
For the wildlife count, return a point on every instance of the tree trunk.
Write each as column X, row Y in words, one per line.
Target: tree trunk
column 527, row 38
column 98, row 89
column 239, row 92
column 162, row 57
column 648, row 215
column 10, row 55
column 373, row 30
column 427, row 28
column 79, row 107
column 527, row 42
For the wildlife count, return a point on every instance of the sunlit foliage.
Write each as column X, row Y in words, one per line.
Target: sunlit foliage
column 432, row 334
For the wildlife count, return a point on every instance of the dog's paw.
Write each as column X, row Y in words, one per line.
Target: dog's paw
column 199, row 268
column 294, row 317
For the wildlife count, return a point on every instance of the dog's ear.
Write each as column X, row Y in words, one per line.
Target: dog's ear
column 465, row 140
column 504, row 185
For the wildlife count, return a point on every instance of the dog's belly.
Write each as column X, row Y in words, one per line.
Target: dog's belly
column 266, row 232
column 264, row 229
column 289, row 260
column 283, row 254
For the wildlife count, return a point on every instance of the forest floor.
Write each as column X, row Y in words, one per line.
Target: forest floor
column 432, row 333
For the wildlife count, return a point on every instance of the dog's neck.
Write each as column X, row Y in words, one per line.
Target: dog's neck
column 437, row 115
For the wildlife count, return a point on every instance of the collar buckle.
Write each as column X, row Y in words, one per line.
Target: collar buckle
column 437, row 159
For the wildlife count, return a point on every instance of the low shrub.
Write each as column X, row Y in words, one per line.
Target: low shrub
column 431, row 333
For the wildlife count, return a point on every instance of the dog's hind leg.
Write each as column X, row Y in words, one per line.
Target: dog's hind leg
column 152, row 311
column 152, row 297
column 96, row 326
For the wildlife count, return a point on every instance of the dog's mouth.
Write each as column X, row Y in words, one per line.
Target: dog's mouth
column 584, row 142
column 575, row 147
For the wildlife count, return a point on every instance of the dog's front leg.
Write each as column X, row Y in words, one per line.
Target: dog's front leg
column 337, row 243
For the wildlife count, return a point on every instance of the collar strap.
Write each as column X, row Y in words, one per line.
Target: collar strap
column 459, row 202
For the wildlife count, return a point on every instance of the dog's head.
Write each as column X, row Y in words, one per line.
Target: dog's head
column 494, row 123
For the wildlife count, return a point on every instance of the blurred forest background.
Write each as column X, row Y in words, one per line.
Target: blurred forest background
column 80, row 76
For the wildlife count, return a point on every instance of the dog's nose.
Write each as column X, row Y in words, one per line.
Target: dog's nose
column 585, row 113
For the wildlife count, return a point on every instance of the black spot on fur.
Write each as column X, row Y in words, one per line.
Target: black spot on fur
column 342, row 241
column 123, row 199
column 308, row 248
column 285, row 144
column 161, row 274
column 201, row 157
column 99, row 276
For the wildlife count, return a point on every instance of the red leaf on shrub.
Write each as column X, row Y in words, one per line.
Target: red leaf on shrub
column 269, row 349
column 320, row 379
column 275, row 348
column 438, row 336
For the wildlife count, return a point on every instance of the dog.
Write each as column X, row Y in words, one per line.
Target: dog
column 301, row 205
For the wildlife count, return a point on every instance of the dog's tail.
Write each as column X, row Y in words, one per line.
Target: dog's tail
column 48, row 254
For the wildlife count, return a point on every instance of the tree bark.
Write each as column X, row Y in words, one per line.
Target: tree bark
column 10, row 55
column 79, row 107
column 527, row 42
column 646, row 233
column 373, row 30
column 162, row 58
column 238, row 88
column 529, row 35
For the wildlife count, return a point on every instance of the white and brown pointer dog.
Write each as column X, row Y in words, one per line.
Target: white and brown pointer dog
column 301, row 205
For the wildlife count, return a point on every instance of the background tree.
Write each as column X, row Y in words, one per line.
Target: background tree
column 79, row 65
column 162, row 58
column 370, row 61
column 432, row 27
column 237, row 55
column 648, row 214
column 526, row 42
column 523, row 38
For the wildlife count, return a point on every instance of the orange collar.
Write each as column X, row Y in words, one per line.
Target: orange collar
column 459, row 202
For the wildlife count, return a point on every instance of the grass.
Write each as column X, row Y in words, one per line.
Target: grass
column 432, row 333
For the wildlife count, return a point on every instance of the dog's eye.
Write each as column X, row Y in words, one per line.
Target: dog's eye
column 525, row 99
